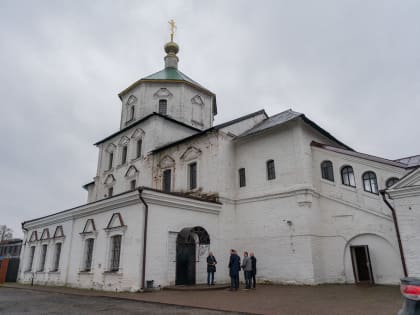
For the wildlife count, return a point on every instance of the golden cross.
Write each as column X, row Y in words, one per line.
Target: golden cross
column 173, row 28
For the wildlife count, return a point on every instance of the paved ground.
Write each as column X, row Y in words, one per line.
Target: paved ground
column 17, row 301
column 271, row 299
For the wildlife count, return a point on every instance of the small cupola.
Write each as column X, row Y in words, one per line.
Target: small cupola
column 171, row 49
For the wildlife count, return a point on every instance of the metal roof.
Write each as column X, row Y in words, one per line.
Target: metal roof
column 357, row 154
column 171, row 74
column 271, row 122
column 411, row 161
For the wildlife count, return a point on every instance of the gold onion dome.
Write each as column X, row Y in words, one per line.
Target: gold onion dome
column 171, row 48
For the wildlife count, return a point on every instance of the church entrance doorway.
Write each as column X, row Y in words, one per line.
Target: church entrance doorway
column 362, row 267
column 186, row 255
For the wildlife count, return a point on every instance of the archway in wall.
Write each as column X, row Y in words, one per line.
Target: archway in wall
column 383, row 258
column 186, row 253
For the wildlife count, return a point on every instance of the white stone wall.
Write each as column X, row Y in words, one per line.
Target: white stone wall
column 181, row 105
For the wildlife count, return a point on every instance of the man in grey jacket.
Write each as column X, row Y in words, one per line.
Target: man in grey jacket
column 247, row 267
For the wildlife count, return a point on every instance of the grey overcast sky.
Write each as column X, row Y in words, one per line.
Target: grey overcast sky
column 351, row 66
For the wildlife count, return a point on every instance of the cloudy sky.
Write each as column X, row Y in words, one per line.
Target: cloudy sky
column 351, row 66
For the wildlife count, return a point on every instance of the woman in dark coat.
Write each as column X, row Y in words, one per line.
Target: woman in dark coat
column 211, row 268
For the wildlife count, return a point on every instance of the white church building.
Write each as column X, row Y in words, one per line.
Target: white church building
column 170, row 186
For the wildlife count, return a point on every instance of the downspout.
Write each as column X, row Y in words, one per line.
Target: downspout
column 146, row 214
column 397, row 230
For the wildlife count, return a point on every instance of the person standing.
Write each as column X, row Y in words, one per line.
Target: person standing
column 234, row 268
column 247, row 267
column 211, row 268
column 254, row 269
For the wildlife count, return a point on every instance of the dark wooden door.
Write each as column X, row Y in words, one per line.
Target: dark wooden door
column 185, row 264
column 362, row 267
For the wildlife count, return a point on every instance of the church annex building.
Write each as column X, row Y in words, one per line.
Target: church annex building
column 170, row 186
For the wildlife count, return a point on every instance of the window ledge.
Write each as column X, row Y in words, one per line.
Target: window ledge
column 54, row 272
column 86, row 273
column 109, row 170
column 40, row 272
column 370, row 195
column 329, row 182
column 121, row 165
column 136, row 159
column 349, row 188
column 112, row 273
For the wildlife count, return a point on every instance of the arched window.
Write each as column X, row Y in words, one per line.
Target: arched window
column 347, row 176
column 271, row 171
column 130, row 113
column 87, row 263
column 370, row 183
column 163, row 105
column 327, row 170
column 115, row 253
column 391, row 181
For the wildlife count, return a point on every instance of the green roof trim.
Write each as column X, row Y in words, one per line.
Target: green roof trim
column 171, row 74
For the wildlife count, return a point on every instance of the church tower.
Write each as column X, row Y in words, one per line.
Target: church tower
column 169, row 92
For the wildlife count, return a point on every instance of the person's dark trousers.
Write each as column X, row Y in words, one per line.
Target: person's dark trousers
column 248, row 275
column 234, row 282
column 254, row 282
column 210, row 277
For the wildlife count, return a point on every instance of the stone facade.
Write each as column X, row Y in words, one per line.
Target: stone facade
column 303, row 227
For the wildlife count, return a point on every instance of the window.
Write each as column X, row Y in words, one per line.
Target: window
column 115, row 252
column 31, row 258
column 271, row 171
column 391, row 181
column 370, row 184
column 242, row 179
column 87, row 266
column 163, row 105
column 138, row 151
column 57, row 257
column 124, row 155
column 192, row 175
column 327, row 170
column 347, row 176
column 133, row 184
column 166, row 180
column 110, row 159
column 110, row 191
column 43, row 256
column 131, row 113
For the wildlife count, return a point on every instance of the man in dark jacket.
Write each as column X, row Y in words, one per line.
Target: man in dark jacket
column 254, row 269
column 234, row 268
column 211, row 268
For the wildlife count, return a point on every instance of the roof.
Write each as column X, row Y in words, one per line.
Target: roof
column 214, row 128
column 284, row 117
column 410, row 162
column 139, row 189
column 171, row 74
column 357, row 154
column 142, row 120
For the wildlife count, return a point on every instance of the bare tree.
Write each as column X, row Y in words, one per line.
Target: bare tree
column 5, row 233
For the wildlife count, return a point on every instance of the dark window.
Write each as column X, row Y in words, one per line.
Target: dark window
column 57, row 256
column 124, row 155
column 138, row 152
column 88, row 254
column 242, row 179
column 31, row 257
column 327, row 170
column 110, row 191
column 370, row 184
column 110, row 159
column 163, row 106
column 391, row 181
column 347, row 176
column 115, row 252
column 133, row 184
column 192, row 170
column 166, row 180
column 131, row 114
column 43, row 256
column 271, row 171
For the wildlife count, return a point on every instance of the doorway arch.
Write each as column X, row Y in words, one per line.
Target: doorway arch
column 186, row 242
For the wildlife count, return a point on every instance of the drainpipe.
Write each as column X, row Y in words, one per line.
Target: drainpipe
column 397, row 230
column 146, row 214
